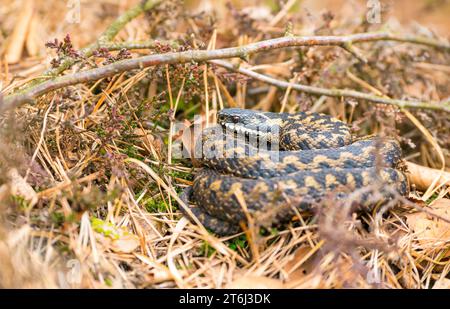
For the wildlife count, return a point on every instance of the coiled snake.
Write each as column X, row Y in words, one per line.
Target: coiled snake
column 308, row 155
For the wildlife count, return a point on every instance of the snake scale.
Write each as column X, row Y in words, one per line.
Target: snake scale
column 305, row 157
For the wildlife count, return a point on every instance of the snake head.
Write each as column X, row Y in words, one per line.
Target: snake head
column 246, row 121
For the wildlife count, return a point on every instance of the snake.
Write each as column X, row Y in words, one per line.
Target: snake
column 267, row 166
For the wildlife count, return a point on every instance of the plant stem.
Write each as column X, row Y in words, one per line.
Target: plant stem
column 332, row 92
column 243, row 52
column 137, row 44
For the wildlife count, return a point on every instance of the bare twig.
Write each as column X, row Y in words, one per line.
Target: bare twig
column 332, row 92
column 352, row 50
column 137, row 44
column 111, row 32
column 241, row 52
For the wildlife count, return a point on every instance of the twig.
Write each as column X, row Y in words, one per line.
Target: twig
column 111, row 32
column 355, row 52
column 332, row 92
column 137, row 44
column 243, row 52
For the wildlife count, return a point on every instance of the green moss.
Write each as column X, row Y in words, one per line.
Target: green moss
column 132, row 152
column 108, row 282
column 179, row 174
column 100, row 131
column 155, row 205
column 191, row 109
column 71, row 218
column 432, row 198
column 274, row 231
column 19, row 202
column 57, row 218
column 63, row 248
column 240, row 241
column 105, row 228
column 206, row 249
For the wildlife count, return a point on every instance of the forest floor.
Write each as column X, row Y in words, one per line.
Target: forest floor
column 89, row 183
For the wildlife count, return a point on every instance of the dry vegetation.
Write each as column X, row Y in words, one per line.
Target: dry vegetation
column 87, row 175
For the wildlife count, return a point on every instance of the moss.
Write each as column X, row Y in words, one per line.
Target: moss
column 63, row 248
column 206, row 249
column 131, row 152
column 105, row 228
column 57, row 218
column 155, row 205
column 180, row 174
column 274, row 231
column 100, row 131
column 108, row 282
column 240, row 241
column 19, row 201
column 71, row 218
column 432, row 198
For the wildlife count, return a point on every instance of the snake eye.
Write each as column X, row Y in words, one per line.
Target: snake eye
column 235, row 118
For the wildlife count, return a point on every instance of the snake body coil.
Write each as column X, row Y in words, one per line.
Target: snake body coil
column 266, row 165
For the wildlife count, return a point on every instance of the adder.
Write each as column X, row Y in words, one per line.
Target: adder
column 305, row 157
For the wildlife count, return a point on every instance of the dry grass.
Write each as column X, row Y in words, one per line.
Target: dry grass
column 89, row 186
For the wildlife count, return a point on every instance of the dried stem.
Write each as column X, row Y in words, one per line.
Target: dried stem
column 241, row 52
column 111, row 46
column 331, row 92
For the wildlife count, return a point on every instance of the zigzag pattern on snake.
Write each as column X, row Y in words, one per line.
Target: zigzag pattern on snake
column 305, row 157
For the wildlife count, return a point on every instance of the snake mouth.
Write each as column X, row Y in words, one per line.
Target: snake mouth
column 249, row 123
column 255, row 136
column 236, row 128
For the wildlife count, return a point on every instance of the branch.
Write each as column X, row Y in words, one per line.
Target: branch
column 113, row 29
column 356, row 53
column 332, row 92
column 137, row 44
column 243, row 52
column 414, row 39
